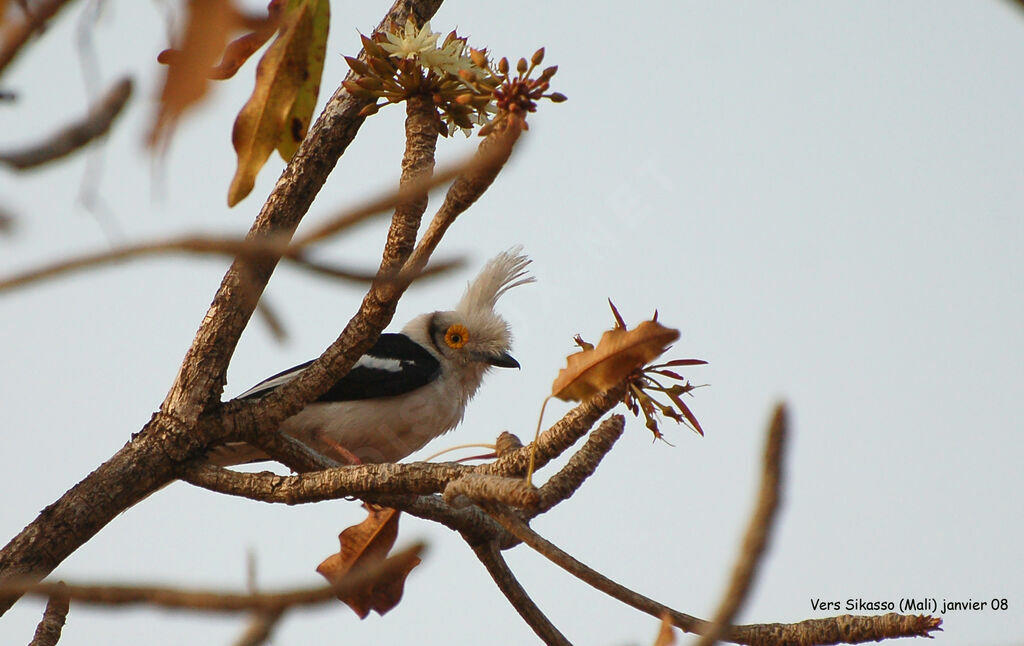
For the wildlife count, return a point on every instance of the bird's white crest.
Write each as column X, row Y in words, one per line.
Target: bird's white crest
column 502, row 273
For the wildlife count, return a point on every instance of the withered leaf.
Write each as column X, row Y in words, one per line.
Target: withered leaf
column 362, row 545
column 619, row 353
column 297, row 121
column 241, row 49
column 261, row 122
column 206, row 31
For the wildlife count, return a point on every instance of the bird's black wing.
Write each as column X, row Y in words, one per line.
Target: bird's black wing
column 393, row 366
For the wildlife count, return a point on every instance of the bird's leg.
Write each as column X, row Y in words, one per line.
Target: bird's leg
column 334, row 450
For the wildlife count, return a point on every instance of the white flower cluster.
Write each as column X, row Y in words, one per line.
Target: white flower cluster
column 421, row 44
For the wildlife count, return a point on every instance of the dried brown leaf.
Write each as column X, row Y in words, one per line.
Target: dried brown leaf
column 362, row 545
column 242, row 48
column 206, row 32
column 618, row 354
column 262, row 121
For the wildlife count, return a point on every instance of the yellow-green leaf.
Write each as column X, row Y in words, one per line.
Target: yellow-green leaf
column 297, row 123
column 279, row 76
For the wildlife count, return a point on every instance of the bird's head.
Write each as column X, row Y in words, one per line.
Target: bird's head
column 473, row 336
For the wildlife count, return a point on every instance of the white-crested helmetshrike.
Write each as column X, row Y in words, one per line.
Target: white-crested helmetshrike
column 410, row 387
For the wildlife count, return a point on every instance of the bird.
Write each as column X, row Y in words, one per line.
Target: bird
column 411, row 386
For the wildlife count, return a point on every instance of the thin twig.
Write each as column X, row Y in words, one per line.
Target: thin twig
column 490, row 555
column 65, row 141
column 211, row 245
column 218, row 600
column 50, row 626
column 267, row 313
column 756, row 539
column 260, row 628
column 588, row 575
column 414, row 189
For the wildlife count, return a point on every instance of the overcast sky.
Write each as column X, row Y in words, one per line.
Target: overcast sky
column 825, row 198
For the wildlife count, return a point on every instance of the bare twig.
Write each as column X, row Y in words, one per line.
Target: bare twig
column 255, row 249
column 259, row 629
column 844, row 629
column 757, row 531
column 76, row 135
column 269, row 316
column 414, row 189
column 217, row 600
column 490, row 555
column 520, row 530
column 49, row 628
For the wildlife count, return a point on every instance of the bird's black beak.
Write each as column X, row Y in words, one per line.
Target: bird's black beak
column 503, row 360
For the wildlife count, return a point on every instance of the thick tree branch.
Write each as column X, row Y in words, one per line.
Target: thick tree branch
column 476, row 487
column 150, row 460
column 490, row 555
column 201, row 378
column 327, row 481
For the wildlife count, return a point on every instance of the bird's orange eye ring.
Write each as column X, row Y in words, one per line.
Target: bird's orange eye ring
column 456, row 336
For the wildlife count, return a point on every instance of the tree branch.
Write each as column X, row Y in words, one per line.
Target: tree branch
column 325, row 480
column 218, row 600
column 172, row 436
column 757, row 532
column 581, row 465
column 56, row 613
column 65, row 141
column 259, row 629
column 522, row 531
column 490, row 555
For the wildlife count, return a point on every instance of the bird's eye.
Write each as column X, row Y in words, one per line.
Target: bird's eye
column 456, row 336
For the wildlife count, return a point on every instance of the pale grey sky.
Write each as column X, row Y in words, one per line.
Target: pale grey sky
column 824, row 198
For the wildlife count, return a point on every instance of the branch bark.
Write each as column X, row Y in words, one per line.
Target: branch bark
column 756, row 539
column 171, row 437
column 218, row 600
column 50, row 626
column 490, row 555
